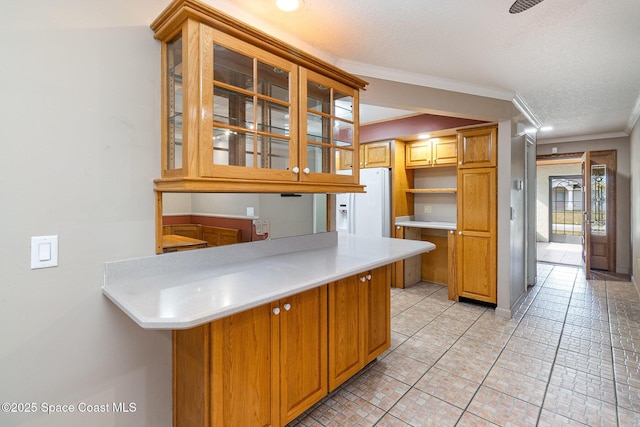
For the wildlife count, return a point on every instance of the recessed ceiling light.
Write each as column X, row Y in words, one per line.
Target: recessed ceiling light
column 424, row 136
column 546, row 128
column 287, row 5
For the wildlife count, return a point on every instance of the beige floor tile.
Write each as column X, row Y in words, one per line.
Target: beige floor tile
column 531, row 348
column 627, row 418
column 421, row 409
column 423, row 351
column 525, row 365
column 391, row 421
column 587, row 347
column 538, row 334
column 344, row 408
column 551, row 419
column 588, row 322
column 463, row 365
column 406, row 324
column 517, row 385
column 401, row 367
column 433, row 334
column 584, row 383
column 451, row 325
column 470, row 420
column 474, row 346
column 628, row 397
column 579, row 407
column 576, row 331
column 545, row 313
column 626, row 367
column 449, row 387
column 503, row 409
column 377, row 388
column 585, row 363
column 487, row 335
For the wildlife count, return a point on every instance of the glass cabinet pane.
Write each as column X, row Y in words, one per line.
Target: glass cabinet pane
column 318, row 158
column 343, row 106
column 233, row 108
column 251, row 111
column 273, row 118
column 318, row 97
column 232, row 68
column 343, row 133
column 273, row 82
column 174, row 104
column 318, row 128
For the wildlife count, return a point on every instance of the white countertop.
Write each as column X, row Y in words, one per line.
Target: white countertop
column 184, row 289
column 410, row 221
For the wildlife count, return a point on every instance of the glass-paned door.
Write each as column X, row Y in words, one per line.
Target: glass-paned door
column 252, row 101
column 566, row 209
column 599, row 229
column 329, row 130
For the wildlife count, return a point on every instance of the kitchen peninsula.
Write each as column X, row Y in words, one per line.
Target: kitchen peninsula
column 263, row 330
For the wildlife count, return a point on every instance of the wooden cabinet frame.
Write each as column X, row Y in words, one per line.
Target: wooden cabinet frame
column 200, row 25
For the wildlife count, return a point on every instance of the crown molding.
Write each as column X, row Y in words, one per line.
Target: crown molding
column 522, row 106
column 384, row 73
column 633, row 117
column 575, row 138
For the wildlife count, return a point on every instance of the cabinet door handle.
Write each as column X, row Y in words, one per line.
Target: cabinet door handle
column 368, row 277
column 276, row 311
column 306, row 171
column 363, row 279
column 287, row 307
column 295, row 169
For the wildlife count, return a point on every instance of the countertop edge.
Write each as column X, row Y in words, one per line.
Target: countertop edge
column 118, row 293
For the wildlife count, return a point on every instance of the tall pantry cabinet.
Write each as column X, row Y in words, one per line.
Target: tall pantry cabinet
column 477, row 214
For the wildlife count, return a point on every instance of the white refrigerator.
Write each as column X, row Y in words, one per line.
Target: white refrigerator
column 367, row 214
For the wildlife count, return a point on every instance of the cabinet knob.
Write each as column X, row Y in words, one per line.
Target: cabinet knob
column 287, row 307
column 460, row 233
column 368, row 277
column 276, row 311
column 363, row 279
column 295, row 169
column 306, row 171
column 459, row 163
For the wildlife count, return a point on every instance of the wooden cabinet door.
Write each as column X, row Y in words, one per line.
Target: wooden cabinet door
column 476, row 240
column 477, row 147
column 242, row 369
column 303, row 352
column 376, row 311
column 377, row 155
column 345, row 329
column 418, row 154
column 445, row 151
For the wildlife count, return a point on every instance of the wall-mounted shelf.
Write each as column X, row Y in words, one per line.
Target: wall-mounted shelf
column 431, row 190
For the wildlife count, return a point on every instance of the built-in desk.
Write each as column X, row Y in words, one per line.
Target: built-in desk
column 175, row 242
column 437, row 266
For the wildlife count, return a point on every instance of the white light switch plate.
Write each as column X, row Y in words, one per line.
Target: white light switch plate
column 44, row 252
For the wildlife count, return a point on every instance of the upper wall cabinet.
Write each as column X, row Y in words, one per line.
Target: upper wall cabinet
column 441, row 151
column 242, row 111
column 477, row 147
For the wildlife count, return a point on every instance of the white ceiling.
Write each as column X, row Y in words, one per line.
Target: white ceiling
column 575, row 64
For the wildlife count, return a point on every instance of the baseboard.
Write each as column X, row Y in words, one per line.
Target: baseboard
column 635, row 285
column 503, row 312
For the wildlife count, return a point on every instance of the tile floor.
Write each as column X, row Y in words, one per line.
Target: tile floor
column 569, row 357
column 559, row 253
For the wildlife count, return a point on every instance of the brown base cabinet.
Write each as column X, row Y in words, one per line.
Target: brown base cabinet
column 265, row 366
column 359, row 322
column 225, row 371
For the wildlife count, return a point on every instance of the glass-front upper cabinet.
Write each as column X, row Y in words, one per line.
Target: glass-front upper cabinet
column 251, row 94
column 243, row 111
column 329, row 131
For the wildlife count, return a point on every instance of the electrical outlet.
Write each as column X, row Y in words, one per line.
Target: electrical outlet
column 426, row 209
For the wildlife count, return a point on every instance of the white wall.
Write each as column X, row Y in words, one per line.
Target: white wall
column 634, row 178
column 80, row 147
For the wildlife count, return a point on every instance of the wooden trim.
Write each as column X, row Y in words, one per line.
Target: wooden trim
column 158, row 215
column 216, row 185
column 431, row 190
column 179, row 10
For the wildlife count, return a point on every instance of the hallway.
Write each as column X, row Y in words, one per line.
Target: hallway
column 569, row 357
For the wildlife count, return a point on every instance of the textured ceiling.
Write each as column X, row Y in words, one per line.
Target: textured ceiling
column 574, row 63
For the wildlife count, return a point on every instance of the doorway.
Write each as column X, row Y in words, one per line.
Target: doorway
column 576, row 209
column 565, row 209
